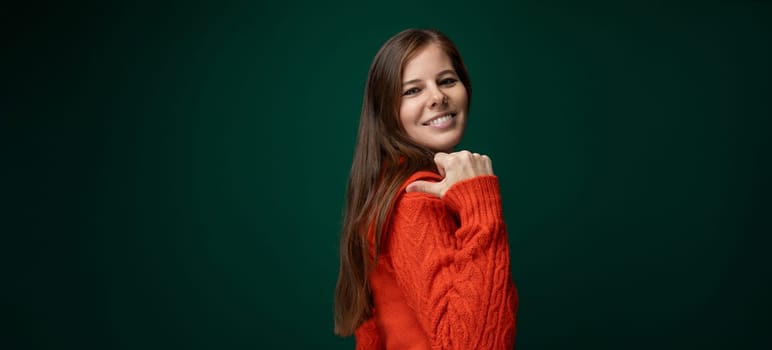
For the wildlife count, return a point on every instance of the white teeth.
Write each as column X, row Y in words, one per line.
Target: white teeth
column 441, row 120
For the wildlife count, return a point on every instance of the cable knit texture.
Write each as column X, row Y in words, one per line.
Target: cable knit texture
column 442, row 279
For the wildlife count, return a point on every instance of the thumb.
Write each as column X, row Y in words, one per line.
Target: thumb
column 434, row 188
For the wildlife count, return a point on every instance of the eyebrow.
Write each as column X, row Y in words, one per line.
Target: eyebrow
column 438, row 74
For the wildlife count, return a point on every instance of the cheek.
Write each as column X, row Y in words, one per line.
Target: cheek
column 409, row 113
column 403, row 116
column 462, row 97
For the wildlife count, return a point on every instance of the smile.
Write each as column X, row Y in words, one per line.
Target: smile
column 440, row 120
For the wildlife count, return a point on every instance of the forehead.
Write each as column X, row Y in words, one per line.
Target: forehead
column 429, row 61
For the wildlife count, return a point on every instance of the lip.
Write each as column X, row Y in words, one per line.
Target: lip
column 452, row 115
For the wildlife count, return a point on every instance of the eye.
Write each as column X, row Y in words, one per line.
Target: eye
column 448, row 81
column 410, row 91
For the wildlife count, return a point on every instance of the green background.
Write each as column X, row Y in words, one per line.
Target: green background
column 173, row 175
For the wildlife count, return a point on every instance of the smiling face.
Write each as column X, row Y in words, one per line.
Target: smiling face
column 434, row 103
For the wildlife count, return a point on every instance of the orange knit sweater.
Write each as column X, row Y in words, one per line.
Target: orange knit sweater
column 442, row 279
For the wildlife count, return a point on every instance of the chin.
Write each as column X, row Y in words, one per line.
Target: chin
column 446, row 147
column 441, row 143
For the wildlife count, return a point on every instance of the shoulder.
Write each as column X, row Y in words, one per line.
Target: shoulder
column 416, row 207
column 421, row 175
column 404, row 196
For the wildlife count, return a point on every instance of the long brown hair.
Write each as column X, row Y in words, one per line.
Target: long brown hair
column 384, row 157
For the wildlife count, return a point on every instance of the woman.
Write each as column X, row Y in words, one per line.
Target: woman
column 424, row 256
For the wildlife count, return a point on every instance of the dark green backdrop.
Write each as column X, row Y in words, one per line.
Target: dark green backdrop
column 173, row 175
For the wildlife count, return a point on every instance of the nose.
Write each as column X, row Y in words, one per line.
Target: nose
column 438, row 98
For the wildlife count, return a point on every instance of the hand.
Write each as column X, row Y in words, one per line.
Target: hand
column 453, row 167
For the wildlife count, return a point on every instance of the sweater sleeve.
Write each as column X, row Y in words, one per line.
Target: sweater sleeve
column 451, row 259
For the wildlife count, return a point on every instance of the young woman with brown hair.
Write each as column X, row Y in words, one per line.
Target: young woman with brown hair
column 424, row 255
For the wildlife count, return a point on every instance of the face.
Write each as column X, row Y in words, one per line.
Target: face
column 434, row 101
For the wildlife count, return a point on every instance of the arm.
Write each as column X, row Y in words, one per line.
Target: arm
column 456, row 276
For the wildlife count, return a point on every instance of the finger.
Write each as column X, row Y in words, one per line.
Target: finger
column 434, row 188
column 441, row 169
column 440, row 158
column 463, row 154
column 487, row 163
